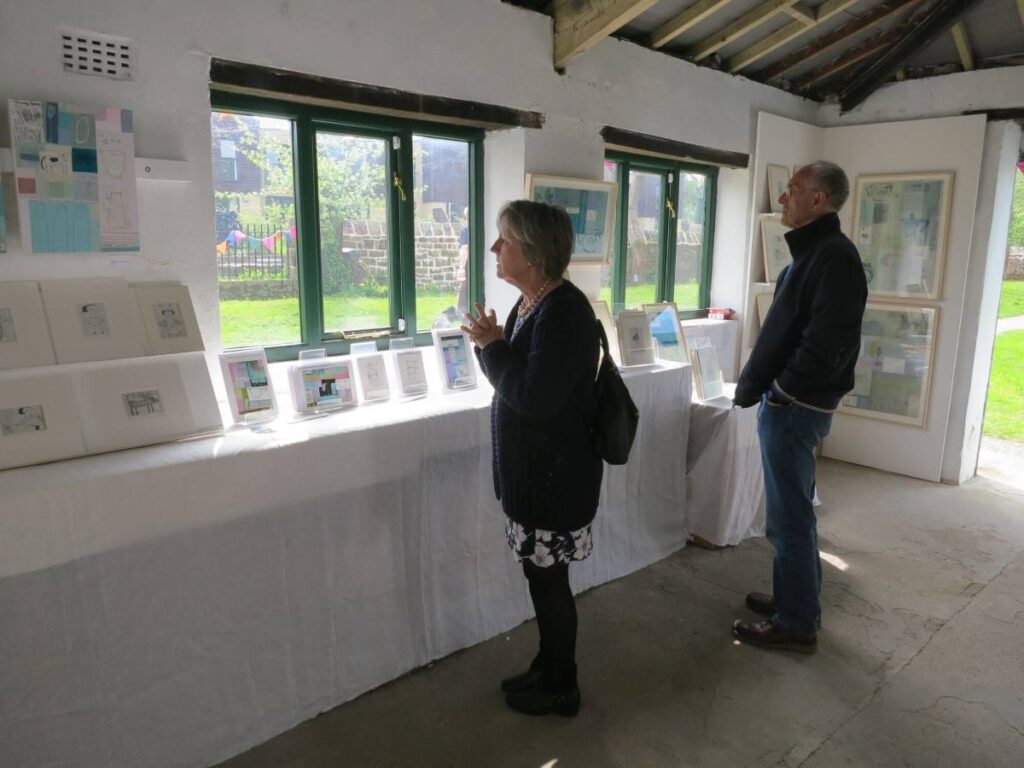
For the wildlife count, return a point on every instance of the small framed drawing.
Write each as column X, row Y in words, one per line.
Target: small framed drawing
column 373, row 377
column 590, row 205
column 168, row 317
column 247, row 378
column 892, row 377
column 412, row 374
column 900, row 225
column 455, row 358
column 24, row 336
column 604, row 317
column 39, row 418
column 707, row 373
column 763, row 301
column 322, row 384
column 774, row 245
column 635, row 340
column 669, row 342
column 93, row 319
column 778, row 180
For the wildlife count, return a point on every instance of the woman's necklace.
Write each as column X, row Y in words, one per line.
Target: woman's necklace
column 527, row 304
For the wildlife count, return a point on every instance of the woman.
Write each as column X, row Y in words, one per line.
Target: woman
column 542, row 364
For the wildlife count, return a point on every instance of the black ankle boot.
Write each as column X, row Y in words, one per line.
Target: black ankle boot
column 525, row 681
column 556, row 693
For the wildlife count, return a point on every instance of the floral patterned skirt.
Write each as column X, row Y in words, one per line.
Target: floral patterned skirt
column 544, row 548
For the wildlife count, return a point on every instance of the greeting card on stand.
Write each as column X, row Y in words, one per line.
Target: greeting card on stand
column 247, row 378
column 373, row 377
column 455, row 358
column 322, row 384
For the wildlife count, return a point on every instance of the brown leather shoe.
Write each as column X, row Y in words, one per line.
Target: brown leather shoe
column 767, row 634
column 761, row 603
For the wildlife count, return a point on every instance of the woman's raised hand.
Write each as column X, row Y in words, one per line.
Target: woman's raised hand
column 483, row 329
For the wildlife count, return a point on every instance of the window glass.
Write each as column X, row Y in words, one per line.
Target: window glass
column 689, row 239
column 643, row 242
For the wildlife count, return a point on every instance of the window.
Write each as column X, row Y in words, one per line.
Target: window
column 664, row 233
column 350, row 226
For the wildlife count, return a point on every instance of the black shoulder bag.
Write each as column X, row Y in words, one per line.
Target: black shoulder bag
column 617, row 414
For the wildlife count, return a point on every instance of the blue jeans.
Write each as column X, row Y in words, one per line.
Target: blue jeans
column 789, row 434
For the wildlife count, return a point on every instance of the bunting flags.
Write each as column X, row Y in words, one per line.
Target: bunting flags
column 237, row 237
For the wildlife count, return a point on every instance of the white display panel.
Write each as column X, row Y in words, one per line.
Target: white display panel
column 38, row 418
column 93, row 319
column 168, row 317
column 24, row 332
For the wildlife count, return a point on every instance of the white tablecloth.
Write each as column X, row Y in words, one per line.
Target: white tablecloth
column 724, row 480
column 181, row 603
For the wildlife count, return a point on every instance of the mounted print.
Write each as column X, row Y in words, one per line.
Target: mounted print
column 669, row 342
column 74, row 174
column 900, row 227
column 455, row 358
column 325, row 384
column 39, row 418
column 247, row 378
column 93, row 319
column 763, row 301
column 3, row 221
column 707, row 373
column 373, row 377
column 590, row 205
column 778, row 181
column 412, row 374
column 168, row 317
column 635, row 340
column 24, row 334
column 774, row 245
column 604, row 317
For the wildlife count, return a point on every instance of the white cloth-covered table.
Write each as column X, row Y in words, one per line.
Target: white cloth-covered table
column 181, row 603
column 724, row 480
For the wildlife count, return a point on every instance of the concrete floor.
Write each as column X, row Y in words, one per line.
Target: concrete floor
column 920, row 662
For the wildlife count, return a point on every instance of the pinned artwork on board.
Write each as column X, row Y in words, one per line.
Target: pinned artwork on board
column 74, row 170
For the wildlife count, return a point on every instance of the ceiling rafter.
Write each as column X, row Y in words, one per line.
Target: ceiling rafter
column 938, row 19
column 829, row 41
column 803, row 14
column 748, row 21
column 849, row 58
column 580, row 24
column 688, row 19
column 963, row 45
column 762, row 48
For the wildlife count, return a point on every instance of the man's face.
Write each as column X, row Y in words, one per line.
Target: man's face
column 802, row 202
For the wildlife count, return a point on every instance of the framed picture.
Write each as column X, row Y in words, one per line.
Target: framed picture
column 455, row 358
column 707, row 373
column 373, row 377
column 3, row 221
column 764, row 303
column 412, row 374
column 322, row 384
column 635, row 340
column 93, row 319
column 669, row 342
column 774, row 245
column 590, row 205
column 900, row 225
column 39, row 418
column 247, row 378
column 892, row 378
column 778, row 180
column 24, row 335
column 604, row 317
column 168, row 317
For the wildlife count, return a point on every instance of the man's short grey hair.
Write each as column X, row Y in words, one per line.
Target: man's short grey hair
column 543, row 231
column 830, row 179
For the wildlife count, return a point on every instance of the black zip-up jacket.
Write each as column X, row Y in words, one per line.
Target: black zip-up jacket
column 808, row 346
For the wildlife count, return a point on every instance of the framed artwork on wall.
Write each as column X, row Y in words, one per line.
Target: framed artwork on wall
column 93, row 319
column 590, row 205
column 669, row 342
column 247, row 378
column 774, row 245
column 900, row 227
column 322, row 384
column 455, row 358
column 168, row 317
column 892, row 378
column 604, row 317
column 3, row 221
column 24, row 335
column 39, row 418
column 778, row 180
column 635, row 341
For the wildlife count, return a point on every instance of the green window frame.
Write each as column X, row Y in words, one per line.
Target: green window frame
column 669, row 171
column 306, row 121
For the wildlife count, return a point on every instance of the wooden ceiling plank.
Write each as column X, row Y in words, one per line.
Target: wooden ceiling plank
column 748, row 21
column 762, row 48
column 854, row 56
column 963, row 45
column 580, row 24
column 688, row 19
column 803, row 14
column 938, row 19
column 827, row 42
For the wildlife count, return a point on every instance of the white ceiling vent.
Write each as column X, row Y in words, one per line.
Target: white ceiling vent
column 93, row 53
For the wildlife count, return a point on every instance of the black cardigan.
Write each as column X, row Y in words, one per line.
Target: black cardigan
column 546, row 472
column 807, row 349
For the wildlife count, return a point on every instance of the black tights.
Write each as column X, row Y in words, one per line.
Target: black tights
column 556, row 615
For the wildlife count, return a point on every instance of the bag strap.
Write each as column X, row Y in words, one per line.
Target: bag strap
column 606, row 355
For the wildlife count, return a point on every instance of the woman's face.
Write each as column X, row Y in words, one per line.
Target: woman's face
column 512, row 265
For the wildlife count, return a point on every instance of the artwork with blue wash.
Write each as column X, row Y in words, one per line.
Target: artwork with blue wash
column 74, row 171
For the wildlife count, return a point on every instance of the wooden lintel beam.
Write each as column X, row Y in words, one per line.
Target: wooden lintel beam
column 963, row 45
column 937, row 20
column 835, row 38
column 579, row 24
column 763, row 47
column 800, row 12
column 688, row 19
column 855, row 56
column 748, row 21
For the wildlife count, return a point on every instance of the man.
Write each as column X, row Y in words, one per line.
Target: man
column 801, row 366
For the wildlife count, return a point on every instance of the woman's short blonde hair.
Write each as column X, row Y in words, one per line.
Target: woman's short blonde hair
column 543, row 231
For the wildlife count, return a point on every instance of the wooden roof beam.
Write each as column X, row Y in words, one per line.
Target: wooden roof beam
column 939, row 18
column 801, row 13
column 748, row 21
column 854, row 56
column 580, row 24
column 963, row 45
column 688, row 19
column 834, row 38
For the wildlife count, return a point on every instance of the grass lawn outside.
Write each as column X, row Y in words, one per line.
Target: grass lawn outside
column 1011, row 302
column 1004, row 410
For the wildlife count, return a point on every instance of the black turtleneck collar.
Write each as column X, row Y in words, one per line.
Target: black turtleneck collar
column 803, row 239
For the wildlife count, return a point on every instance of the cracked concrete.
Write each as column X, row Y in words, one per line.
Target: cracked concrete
column 919, row 660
